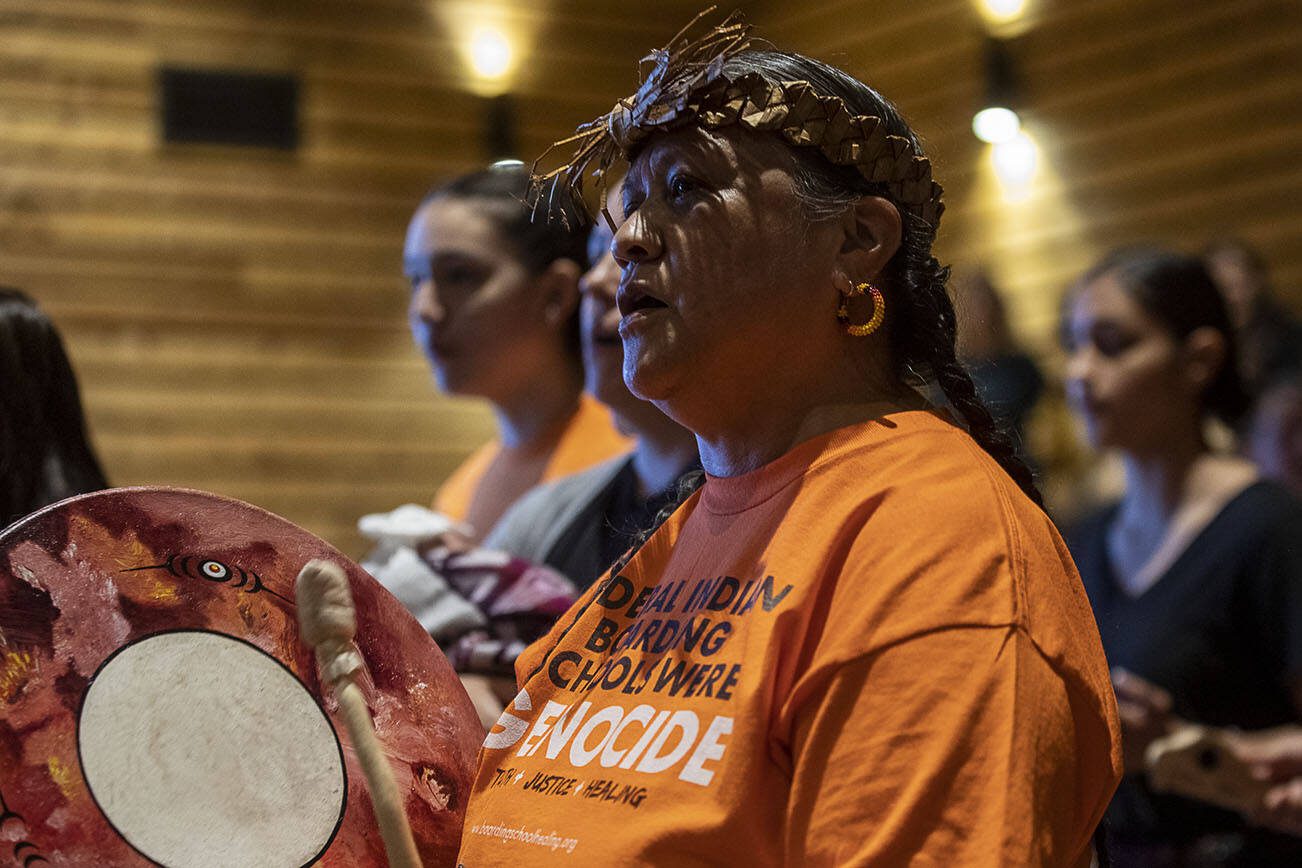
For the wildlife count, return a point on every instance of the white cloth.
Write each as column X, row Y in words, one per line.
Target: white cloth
column 397, row 565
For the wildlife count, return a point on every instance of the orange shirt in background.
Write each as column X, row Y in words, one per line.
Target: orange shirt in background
column 589, row 438
column 872, row 651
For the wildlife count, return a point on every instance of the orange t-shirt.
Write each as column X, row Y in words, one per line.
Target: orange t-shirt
column 589, row 438
column 874, row 650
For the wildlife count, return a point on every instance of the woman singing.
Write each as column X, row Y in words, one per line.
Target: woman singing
column 860, row 640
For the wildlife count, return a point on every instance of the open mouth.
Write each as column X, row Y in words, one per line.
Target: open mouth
column 632, row 299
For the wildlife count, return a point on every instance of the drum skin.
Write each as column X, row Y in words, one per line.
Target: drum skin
column 86, row 578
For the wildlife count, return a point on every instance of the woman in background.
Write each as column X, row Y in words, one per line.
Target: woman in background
column 1272, row 437
column 1196, row 575
column 493, row 307
column 1268, row 334
column 581, row 524
column 45, row 454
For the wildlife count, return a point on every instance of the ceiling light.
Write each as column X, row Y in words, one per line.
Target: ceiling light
column 996, row 124
column 1016, row 161
column 1004, row 10
column 490, row 53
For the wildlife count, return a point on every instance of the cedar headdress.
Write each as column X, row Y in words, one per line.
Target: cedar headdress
column 684, row 83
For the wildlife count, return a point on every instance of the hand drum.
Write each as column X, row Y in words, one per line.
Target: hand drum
column 158, row 706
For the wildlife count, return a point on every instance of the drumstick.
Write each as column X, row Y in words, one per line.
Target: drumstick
column 327, row 621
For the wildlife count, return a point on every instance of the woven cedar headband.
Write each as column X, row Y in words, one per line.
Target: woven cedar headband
column 686, row 84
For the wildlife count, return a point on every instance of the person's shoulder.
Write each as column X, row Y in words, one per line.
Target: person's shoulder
column 589, row 438
column 550, row 504
column 582, row 483
column 1087, row 529
column 918, row 480
column 933, row 466
column 1256, row 537
column 948, row 501
column 455, row 493
column 560, row 493
column 933, row 496
column 1270, row 499
column 1265, row 511
column 937, row 537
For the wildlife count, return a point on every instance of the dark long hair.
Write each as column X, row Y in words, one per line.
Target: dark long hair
column 44, row 451
column 502, row 189
column 922, row 328
column 1178, row 291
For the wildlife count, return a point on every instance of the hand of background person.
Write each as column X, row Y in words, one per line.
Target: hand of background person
column 1281, row 809
column 454, row 541
column 1145, row 711
column 1276, row 756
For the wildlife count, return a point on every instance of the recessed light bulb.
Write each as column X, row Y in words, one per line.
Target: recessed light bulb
column 996, row 124
column 1004, row 10
column 1016, row 161
column 490, row 53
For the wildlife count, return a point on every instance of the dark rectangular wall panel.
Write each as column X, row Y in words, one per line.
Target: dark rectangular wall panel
column 229, row 108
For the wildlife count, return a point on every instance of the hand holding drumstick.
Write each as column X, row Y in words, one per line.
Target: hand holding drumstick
column 327, row 621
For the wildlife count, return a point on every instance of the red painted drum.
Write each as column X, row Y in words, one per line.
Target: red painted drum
column 157, row 705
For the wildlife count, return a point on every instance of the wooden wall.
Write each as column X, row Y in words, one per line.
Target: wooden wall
column 237, row 316
column 1156, row 120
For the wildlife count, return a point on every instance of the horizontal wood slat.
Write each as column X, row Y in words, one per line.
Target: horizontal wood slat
column 1158, row 120
column 238, row 316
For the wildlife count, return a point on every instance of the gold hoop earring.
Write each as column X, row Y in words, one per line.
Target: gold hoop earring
column 862, row 330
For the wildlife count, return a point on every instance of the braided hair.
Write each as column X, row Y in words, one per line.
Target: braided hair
column 922, row 329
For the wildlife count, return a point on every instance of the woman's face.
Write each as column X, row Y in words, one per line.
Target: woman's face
column 471, row 311
column 723, row 279
column 1126, row 372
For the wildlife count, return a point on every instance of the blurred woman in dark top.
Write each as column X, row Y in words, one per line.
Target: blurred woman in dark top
column 1196, row 575
column 45, row 455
